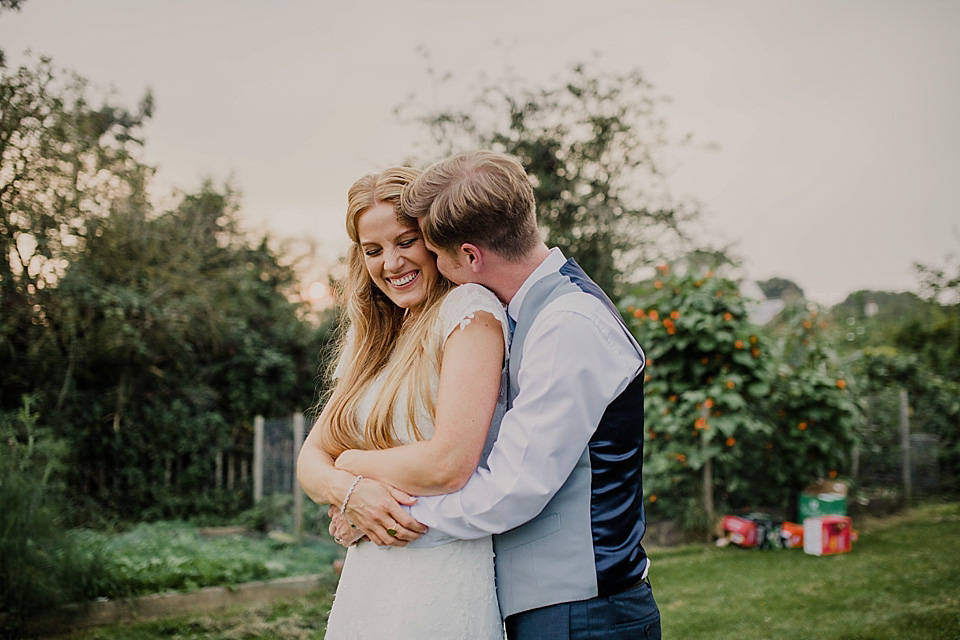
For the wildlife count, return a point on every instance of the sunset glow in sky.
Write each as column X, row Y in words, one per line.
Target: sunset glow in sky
column 838, row 141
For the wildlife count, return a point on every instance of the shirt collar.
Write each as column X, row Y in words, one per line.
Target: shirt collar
column 554, row 260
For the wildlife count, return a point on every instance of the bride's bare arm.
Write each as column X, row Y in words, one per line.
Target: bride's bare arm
column 466, row 399
column 373, row 506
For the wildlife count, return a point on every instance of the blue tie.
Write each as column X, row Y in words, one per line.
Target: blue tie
column 511, row 325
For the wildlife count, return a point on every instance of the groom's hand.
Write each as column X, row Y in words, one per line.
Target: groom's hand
column 377, row 510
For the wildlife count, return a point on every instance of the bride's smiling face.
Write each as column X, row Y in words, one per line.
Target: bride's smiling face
column 396, row 256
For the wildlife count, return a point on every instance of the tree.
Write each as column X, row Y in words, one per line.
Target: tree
column 63, row 164
column 593, row 144
column 921, row 327
column 781, row 288
column 148, row 339
column 938, row 340
column 5, row 5
column 940, row 283
column 177, row 328
column 901, row 341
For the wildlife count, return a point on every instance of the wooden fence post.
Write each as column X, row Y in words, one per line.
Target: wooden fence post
column 905, row 445
column 257, row 459
column 297, row 491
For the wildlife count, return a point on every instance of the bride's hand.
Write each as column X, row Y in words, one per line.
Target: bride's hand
column 375, row 508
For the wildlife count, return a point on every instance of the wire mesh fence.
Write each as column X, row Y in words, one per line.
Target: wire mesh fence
column 276, row 447
column 925, row 461
column 279, row 448
column 890, row 455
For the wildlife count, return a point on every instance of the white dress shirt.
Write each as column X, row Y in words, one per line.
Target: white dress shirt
column 577, row 358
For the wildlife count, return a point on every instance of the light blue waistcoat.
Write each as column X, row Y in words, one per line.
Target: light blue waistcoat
column 586, row 541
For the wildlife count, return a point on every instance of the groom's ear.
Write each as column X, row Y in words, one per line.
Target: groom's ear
column 473, row 256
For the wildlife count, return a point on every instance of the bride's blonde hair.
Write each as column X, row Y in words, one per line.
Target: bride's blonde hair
column 378, row 332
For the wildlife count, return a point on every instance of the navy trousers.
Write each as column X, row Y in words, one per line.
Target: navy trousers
column 631, row 614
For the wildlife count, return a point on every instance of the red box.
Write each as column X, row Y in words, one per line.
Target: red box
column 827, row 535
column 743, row 532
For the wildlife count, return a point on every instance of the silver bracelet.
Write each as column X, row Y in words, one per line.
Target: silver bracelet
column 343, row 509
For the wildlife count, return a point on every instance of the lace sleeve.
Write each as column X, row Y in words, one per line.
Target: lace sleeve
column 460, row 305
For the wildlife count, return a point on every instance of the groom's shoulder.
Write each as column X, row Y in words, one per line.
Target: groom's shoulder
column 575, row 300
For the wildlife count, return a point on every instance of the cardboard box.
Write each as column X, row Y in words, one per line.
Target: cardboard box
column 823, row 498
column 741, row 531
column 827, row 535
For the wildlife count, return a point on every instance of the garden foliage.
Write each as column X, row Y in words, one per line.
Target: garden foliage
column 149, row 338
column 897, row 342
column 766, row 416
column 41, row 563
column 934, row 410
column 176, row 556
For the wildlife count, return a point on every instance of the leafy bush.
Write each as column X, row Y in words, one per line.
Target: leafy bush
column 41, row 564
column 727, row 404
column 934, row 405
column 175, row 556
column 812, row 405
column 707, row 370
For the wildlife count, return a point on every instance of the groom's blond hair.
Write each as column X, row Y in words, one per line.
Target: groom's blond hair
column 478, row 197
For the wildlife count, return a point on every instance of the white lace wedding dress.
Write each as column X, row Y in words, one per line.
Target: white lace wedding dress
column 435, row 593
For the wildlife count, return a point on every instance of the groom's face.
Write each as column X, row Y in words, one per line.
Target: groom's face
column 452, row 264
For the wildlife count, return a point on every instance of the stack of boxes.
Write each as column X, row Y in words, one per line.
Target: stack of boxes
column 824, row 527
column 827, row 529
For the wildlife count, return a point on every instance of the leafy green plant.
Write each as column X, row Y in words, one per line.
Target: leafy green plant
column 41, row 564
column 814, row 411
column 176, row 556
column 708, row 372
column 734, row 416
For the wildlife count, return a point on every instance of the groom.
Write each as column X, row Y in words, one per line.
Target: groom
column 562, row 485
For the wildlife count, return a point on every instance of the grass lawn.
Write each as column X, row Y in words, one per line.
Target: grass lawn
column 901, row 581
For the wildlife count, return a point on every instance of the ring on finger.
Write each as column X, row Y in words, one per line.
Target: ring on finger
column 392, row 532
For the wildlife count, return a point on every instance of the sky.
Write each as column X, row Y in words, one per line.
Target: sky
column 835, row 123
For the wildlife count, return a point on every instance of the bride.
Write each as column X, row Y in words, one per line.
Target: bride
column 420, row 364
